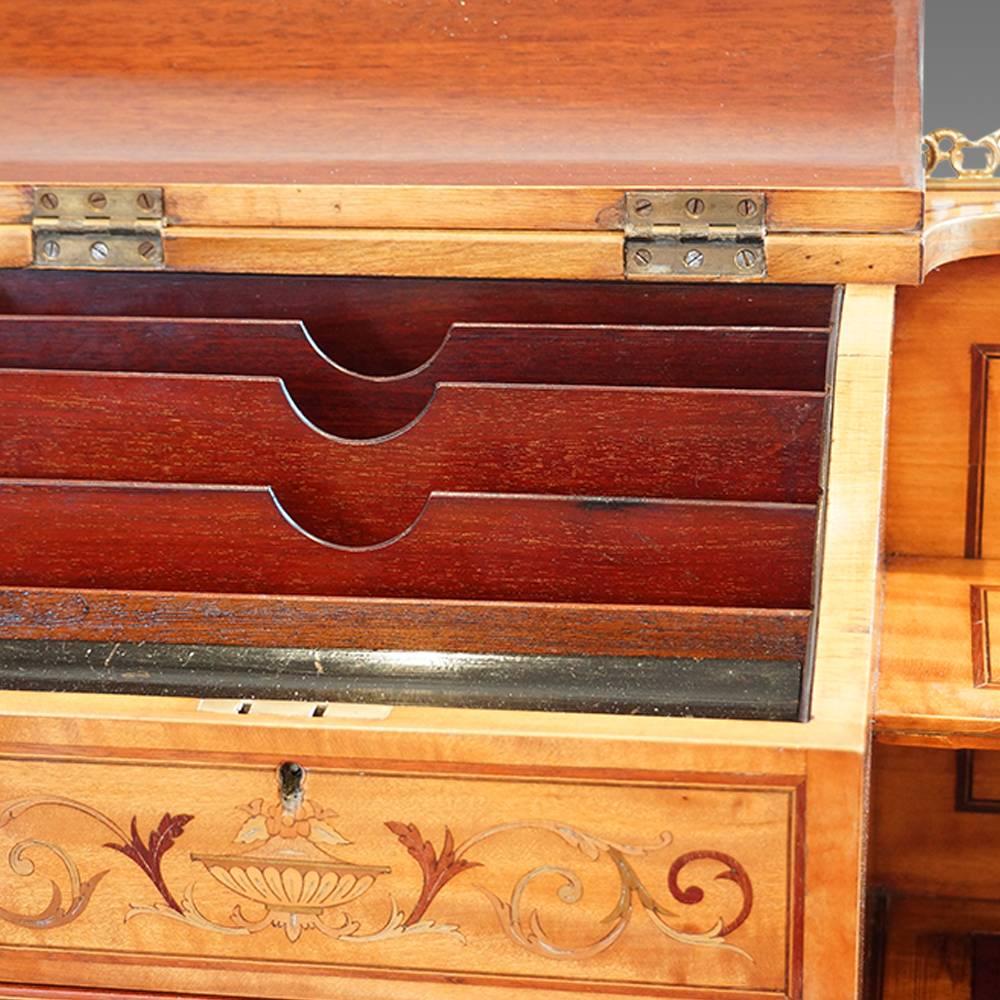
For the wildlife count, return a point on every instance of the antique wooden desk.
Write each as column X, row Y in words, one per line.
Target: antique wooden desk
column 441, row 498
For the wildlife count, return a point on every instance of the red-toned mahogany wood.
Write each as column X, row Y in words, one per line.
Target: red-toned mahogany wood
column 464, row 546
column 796, row 94
column 360, row 406
column 380, row 623
column 387, row 326
column 680, row 443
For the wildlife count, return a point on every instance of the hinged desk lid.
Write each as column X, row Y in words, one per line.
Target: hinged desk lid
column 471, row 138
column 496, row 93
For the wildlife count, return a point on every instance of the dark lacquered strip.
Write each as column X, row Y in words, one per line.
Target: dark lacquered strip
column 716, row 688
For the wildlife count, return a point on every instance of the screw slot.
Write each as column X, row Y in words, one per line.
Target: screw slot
column 694, row 259
column 99, row 251
column 745, row 259
column 643, row 206
column 51, row 249
column 147, row 250
column 747, row 208
column 694, row 207
column 643, row 257
column 49, row 201
column 98, row 200
column 145, row 201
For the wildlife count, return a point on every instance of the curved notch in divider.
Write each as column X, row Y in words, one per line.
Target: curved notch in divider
column 681, row 443
column 351, row 405
column 467, row 546
column 385, row 326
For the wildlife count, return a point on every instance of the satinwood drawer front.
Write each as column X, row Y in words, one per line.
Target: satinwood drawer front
column 659, row 884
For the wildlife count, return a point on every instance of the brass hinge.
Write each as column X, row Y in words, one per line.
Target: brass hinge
column 697, row 235
column 95, row 228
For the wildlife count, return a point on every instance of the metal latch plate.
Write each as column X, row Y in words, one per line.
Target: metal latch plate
column 696, row 235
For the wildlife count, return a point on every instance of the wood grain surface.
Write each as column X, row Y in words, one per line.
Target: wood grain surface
column 960, row 221
column 802, row 257
column 474, row 546
column 936, row 431
column 451, row 626
column 387, row 326
column 349, row 404
column 681, row 443
column 934, row 648
column 620, row 835
column 564, row 94
column 921, row 844
column 931, row 949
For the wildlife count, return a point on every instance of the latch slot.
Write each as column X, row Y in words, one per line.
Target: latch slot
column 94, row 228
column 696, row 235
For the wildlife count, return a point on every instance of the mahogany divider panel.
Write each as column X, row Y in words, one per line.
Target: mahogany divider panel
column 466, row 546
column 387, row 326
column 679, row 443
column 349, row 404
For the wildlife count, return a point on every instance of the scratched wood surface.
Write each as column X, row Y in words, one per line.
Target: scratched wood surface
column 449, row 626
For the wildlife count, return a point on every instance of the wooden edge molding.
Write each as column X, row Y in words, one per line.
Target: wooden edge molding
column 792, row 258
column 960, row 221
column 859, row 210
column 849, row 601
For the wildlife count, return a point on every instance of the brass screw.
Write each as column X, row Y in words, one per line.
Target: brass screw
column 51, row 249
column 99, row 251
column 694, row 259
column 695, row 206
column 747, row 208
column 147, row 250
column 643, row 206
column 49, row 201
column 643, row 257
column 98, row 200
column 145, row 201
column 746, row 259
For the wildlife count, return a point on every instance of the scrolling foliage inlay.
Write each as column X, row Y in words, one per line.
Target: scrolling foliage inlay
column 287, row 872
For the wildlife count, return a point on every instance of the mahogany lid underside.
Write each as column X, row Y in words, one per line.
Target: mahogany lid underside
column 788, row 94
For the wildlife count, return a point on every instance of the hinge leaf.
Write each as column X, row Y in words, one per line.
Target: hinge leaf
column 698, row 235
